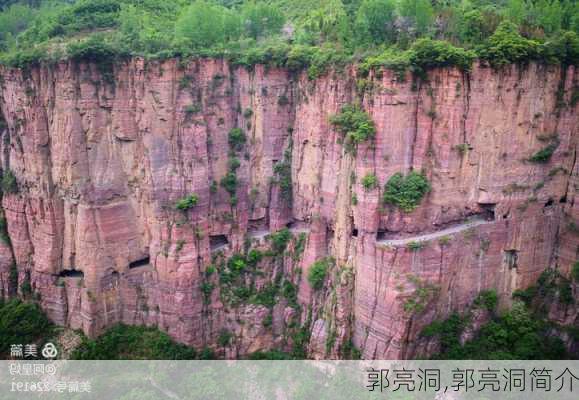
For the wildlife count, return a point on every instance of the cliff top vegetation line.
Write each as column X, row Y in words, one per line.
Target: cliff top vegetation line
column 295, row 34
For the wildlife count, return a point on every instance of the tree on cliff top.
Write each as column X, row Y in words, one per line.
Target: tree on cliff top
column 253, row 31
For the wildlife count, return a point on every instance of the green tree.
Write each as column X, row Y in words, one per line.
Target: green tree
column 13, row 21
column 419, row 13
column 549, row 15
column 407, row 191
column 506, row 46
column 375, row 22
column 327, row 23
column 261, row 19
column 318, row 273
column 516, row 10
column 201, row 25
column 471, row 27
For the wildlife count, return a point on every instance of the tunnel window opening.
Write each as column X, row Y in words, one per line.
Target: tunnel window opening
column 511, row 257
column 140, row 263
column 381, row 235
column 290, row 224
column 488, row 211
column 549, row 202
column 355, row 232
column 218, row 241
column 71, row 273
column 563, row 199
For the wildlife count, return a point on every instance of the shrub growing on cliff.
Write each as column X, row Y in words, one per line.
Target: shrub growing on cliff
column 236, row 139
column 393, row 60
column 318, row 273
column 487, row 299
column 280, row 240
column 4, row 236
column 9, row 183
column 369, row 182
column 406, row 192
column 283, row 176
column 96, row 49
column 354, row 125
column 544, row 155
column 187, row 202
column 229, row 183
column 575, row 271
column 224, row 338
column 426, row 54
column 507, row 46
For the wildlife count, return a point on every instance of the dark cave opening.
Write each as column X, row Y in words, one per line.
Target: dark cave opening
column 140, row 263
column 71, row 273
column 488, row 210
column 217, row 241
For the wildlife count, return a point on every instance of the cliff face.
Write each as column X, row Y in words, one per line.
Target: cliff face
column 101, row 155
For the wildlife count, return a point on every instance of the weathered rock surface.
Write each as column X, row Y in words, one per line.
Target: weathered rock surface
column 101, row 158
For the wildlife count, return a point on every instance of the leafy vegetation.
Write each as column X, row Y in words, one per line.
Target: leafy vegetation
column 487, row 299
column 426, row 53
column 123, row 342
column 575, row 271
column 406, row 192
column 236, row 139
column 415, row 245
column 544, row 155
column 293, row 34
column 279, row 241
column 518, row 334
column 9, row 183
column 4, row 236
column 318, row 273
column 187, row 202
column 369, row 182
column 21, row 323
column 354, row 125
column 224, row 338
column 422, row 294
column 283, row 176
column 523, row 332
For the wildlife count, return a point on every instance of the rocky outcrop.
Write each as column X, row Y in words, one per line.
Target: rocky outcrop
column 102, row 155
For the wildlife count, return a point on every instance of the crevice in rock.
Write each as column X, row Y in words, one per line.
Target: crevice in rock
column 466, row 85
column 415, row 125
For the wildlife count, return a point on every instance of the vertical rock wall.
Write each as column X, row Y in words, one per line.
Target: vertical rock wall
column 101, row 157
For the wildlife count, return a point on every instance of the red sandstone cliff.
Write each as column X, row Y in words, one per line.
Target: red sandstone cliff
column 102, row 156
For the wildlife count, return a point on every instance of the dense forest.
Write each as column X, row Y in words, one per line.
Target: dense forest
column 295, row 34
